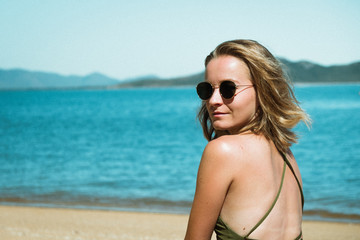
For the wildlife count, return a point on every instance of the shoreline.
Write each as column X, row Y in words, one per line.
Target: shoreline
column 39, row 223
column 168, row 207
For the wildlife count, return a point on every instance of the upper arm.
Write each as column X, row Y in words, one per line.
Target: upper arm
column 213, row 180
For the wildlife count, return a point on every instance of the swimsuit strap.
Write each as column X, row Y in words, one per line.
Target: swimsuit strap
column 297, row 180
column 272, row 206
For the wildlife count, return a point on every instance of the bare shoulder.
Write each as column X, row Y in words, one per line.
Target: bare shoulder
column 224, row 146
column 242, row 147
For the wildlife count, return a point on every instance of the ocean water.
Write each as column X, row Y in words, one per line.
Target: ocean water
column 139, row 149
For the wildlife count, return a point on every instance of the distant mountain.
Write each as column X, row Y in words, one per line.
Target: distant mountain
column 158, row 82
column 22, row 79
column 308, row 72
column 299, row 72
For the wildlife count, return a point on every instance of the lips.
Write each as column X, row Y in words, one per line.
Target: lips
column 218, row 114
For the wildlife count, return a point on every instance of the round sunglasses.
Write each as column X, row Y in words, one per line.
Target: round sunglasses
column 227, row 89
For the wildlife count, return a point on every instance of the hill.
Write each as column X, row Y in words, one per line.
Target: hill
column 21, row 79
column 299, row 72
column 308, row 72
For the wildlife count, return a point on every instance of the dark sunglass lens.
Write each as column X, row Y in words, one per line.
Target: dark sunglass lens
column 204, row 90
column 227, row 89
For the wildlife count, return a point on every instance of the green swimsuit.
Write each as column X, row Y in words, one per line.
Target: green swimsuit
column 223, row 232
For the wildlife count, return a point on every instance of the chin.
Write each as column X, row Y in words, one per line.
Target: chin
column 227, row 128
column 220, row 127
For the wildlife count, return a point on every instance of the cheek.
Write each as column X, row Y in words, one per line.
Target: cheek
column 246, row 108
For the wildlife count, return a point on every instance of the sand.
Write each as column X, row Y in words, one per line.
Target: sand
column 74, row 224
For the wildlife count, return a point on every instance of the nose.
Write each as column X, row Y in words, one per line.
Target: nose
column 216, row 98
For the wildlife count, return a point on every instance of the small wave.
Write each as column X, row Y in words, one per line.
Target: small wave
column 331, row 216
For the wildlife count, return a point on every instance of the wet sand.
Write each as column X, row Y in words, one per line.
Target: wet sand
column 74, row 224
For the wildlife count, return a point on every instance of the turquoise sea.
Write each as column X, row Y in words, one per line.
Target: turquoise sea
column 139, row 149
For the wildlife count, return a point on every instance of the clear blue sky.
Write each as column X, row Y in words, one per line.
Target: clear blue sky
column 169, row 38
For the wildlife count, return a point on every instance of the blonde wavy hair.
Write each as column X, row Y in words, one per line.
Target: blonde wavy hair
column 278, row 110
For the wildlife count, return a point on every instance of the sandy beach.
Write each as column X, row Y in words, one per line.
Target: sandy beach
column 76, row 224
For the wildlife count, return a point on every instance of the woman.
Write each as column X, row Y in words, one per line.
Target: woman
column 248, row 183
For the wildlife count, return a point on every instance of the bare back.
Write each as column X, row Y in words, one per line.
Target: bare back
column 257, row 172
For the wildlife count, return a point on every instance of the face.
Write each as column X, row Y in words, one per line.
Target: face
column 230, row 114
